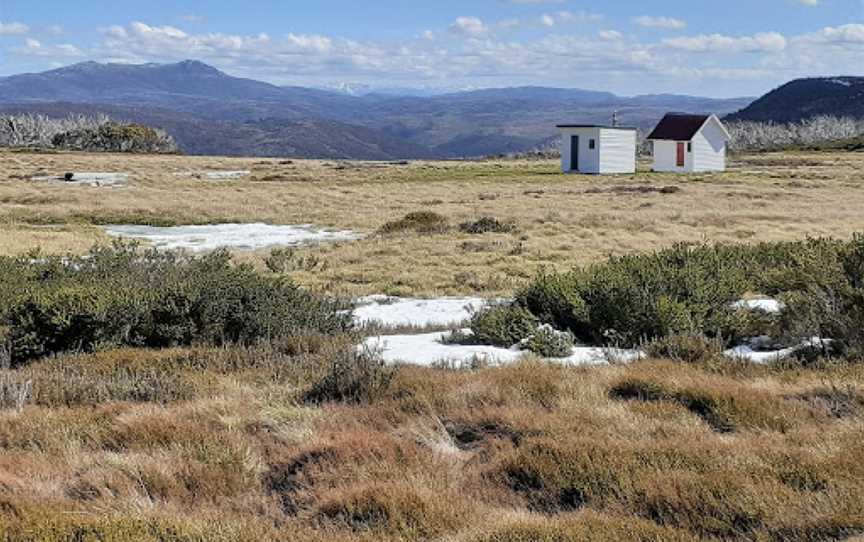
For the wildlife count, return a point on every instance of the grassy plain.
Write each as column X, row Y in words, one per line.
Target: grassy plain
column 562, row 220
column 227, row 444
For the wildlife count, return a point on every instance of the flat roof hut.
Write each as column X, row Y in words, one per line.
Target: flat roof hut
column 596, row 149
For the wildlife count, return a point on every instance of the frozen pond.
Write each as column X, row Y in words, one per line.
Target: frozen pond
column 232, row 236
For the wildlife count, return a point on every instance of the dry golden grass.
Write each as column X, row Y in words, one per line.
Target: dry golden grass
column 522, row 453
column 563, row 220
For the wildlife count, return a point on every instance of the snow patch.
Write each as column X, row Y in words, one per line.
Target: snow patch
column 754, row 352
column 428, row 350
column 234, row 236
column 86, row 178
column 766, row 305
column 396, row 312
column 215, row 175
column 841, row 82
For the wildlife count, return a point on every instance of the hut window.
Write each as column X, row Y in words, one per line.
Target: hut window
column 592, row 144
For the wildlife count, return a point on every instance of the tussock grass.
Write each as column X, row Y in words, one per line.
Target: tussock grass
column 532, row 451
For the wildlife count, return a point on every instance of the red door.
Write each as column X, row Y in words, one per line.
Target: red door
column 680, row 154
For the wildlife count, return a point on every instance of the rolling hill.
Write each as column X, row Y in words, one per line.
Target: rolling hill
column 211, row 112
column 806, row 98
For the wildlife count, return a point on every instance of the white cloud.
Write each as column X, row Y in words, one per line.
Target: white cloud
column 469, row 26
column 846, row 34
column 719, row 43
column 34, row 47
column 490, row 56
column 12, row 29
column 670, row 23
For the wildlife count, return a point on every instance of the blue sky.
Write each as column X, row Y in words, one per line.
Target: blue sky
column 729, row 48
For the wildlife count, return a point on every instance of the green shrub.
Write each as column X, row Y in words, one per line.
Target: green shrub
column 549, row 343
column 690, row 291
column 487, row 225
column 425, row 222
column 119, row 296
column 502, row 325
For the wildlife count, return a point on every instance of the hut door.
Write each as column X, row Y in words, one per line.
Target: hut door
column 574, row 153
column 680, row 154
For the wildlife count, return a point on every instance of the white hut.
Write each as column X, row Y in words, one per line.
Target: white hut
column 689, row 143
column 597, row 149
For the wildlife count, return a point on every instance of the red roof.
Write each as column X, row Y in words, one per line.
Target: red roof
column 678, row 127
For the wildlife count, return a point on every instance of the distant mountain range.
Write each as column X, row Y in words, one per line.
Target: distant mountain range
column 210, row 112
column 806, row 98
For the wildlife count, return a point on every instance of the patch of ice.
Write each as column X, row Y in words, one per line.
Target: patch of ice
column 753, row 353
column 392, row 311
column 766, row 305
column 215, row 175
column 427, row 350
column 234, row 236
column 87, row 178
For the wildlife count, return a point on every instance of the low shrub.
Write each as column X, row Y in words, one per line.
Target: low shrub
column 119, row 296
column 425, row 222
column 691, row 291
column 549, row 343
column 487, row 225
column 502, row 325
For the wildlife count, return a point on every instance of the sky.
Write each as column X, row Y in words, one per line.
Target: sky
column 711, row 48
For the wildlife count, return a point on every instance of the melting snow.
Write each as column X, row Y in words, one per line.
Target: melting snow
column 87, row 178
column 215, row 175
column 234, row 236
column 766, row 305
column 428, row 350
column 395, row 312
column 751, row 352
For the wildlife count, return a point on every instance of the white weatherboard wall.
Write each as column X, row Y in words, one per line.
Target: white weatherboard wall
column 666, row 157
column 617, row 151
column 706, row 151
column 709, row 148
column 614, row 150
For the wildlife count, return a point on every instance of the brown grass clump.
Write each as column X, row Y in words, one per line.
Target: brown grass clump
column 394, row 510
column 725, row 406
column 580, row 527
column 423, row 222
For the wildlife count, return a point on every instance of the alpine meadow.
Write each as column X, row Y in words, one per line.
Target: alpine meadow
column 482, row 272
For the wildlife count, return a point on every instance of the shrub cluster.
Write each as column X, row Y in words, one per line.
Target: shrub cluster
column 120, row 296
column 503, row 325
column 83, row 133
column 547, row 342
column 691, row 290
column 114, row 137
